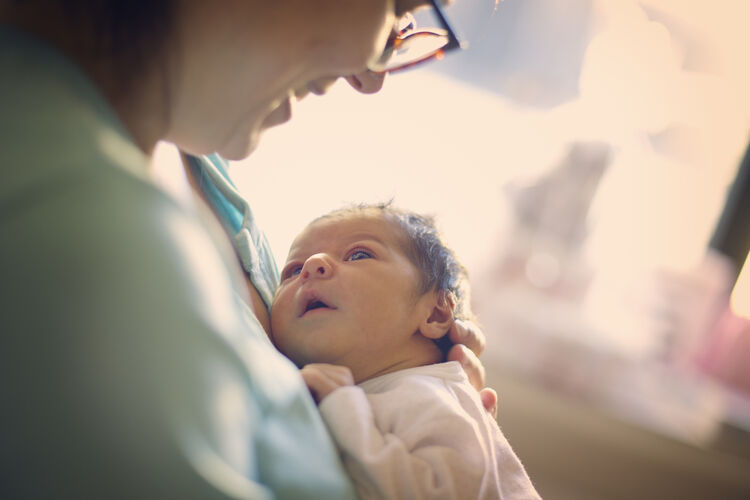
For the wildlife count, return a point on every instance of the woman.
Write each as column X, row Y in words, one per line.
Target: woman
column 129, row 367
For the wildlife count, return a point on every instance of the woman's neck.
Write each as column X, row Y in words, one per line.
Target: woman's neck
column 142, row 110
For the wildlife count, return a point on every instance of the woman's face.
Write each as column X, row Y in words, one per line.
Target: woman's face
column 238, row 66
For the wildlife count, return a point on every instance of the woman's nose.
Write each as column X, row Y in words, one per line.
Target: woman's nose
column 317, row 267
column 367, row 82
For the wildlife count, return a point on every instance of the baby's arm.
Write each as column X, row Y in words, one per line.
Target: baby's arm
column 413, row 441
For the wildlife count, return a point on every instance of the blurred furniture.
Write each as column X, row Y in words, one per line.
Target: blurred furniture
column 573, row 451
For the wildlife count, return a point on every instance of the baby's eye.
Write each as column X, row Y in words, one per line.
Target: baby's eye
column 290, row 272
column 359, row 255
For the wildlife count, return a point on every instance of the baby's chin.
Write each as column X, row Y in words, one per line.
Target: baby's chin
column 302, row 357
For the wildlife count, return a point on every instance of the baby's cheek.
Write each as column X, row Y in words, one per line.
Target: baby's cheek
column 278, row 337
column 278, row 314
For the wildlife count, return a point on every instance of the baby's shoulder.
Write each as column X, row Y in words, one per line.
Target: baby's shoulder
column 442, row 387
column 429, row 377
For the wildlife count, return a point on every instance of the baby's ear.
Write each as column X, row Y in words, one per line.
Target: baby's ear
column 440, row 318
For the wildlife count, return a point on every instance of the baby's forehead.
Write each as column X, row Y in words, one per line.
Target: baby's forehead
column 341, row 227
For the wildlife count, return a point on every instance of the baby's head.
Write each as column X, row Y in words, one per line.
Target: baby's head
column 370, row 287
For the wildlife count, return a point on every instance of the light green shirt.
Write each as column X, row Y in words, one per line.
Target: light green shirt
column 128, row 368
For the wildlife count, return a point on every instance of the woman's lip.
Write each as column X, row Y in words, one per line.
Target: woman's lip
column 301, row 93
column 321, row 85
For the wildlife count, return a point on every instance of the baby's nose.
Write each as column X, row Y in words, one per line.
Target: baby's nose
column 317, row 267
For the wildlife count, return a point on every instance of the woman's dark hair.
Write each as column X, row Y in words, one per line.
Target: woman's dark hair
column 438, row 265
column 127, row 32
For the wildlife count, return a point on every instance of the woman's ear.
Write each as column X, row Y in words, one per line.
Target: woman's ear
column 440, row 319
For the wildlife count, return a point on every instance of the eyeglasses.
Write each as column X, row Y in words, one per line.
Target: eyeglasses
column 409, row 46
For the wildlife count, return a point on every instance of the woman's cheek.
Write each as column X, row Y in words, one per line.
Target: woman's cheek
column 360, row 44
column 381, row 37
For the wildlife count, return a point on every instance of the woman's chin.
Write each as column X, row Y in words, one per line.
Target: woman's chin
column 241, row 147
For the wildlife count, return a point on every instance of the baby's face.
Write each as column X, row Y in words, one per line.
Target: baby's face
column 348, row 293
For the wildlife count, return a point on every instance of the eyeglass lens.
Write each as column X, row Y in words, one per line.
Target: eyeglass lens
column 420, row 38
column 415, row 47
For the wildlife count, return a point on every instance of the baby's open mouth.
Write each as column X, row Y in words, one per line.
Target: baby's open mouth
column 315, row 304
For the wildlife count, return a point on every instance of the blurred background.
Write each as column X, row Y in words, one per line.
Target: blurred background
column 585, row 160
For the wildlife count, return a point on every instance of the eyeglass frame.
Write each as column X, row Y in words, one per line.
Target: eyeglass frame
column 453, row 42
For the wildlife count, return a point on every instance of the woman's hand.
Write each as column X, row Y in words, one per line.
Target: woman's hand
column 469, row 342
column 322, row 379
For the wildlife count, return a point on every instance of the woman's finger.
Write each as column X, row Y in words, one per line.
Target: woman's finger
column 489, row 401
column 468, row 334
column 470, row 363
